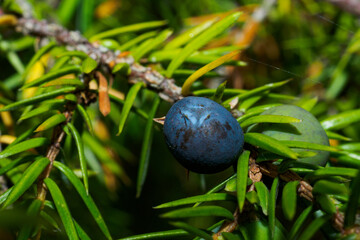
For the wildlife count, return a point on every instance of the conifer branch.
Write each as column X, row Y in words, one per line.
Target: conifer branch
column 73, row 40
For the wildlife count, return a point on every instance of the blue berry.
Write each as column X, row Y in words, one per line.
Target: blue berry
column 202, row 135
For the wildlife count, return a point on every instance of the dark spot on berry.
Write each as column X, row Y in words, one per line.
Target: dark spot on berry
column 227, row 126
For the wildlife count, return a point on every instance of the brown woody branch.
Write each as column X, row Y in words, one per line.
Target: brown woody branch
column 51, row 154
column 304, row 188
column 255, row 175
column 256, row 171
column 166, row 87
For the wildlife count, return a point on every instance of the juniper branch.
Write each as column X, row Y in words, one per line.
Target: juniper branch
column 73, row 40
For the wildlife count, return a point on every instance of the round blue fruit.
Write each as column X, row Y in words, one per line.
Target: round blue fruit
column 202, row 135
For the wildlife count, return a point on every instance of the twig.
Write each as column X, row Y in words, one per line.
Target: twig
column 304, row 188
column 255, row 175
column 166, row 87
column 86, row 97
column 338, row 221
column 228, row 226
column 51, row 154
